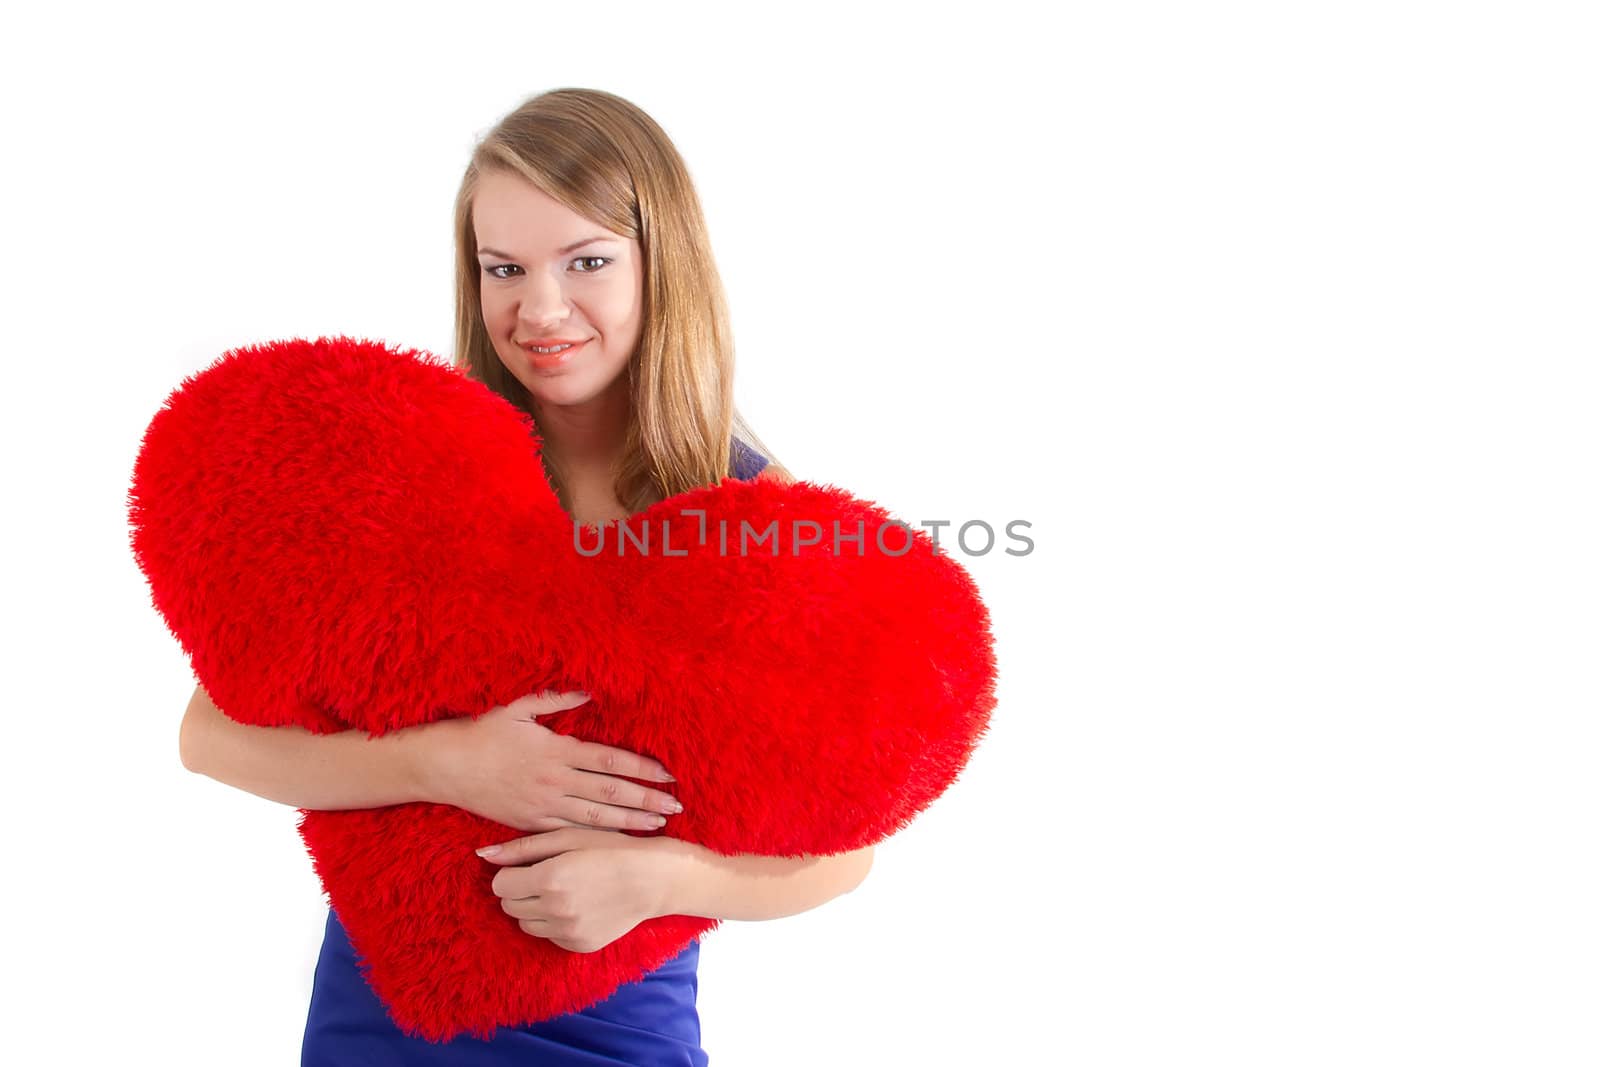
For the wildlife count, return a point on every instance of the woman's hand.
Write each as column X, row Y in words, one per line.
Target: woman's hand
column 507, row 767
column 582, row 889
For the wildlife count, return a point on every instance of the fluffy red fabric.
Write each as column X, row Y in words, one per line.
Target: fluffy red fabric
column 342, row 534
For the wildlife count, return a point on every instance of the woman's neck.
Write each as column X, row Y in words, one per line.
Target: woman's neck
column 584, row 444
column 585, row 439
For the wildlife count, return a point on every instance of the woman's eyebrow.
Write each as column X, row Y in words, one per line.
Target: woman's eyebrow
column 562, row 251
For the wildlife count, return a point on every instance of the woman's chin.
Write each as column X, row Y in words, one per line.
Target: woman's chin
column 562, row 393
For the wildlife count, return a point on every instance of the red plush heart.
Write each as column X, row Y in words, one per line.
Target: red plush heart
column 346, row 535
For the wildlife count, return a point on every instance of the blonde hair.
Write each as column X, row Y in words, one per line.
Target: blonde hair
column 607, row 160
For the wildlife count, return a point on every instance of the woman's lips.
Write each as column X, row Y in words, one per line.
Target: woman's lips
column 552, row 360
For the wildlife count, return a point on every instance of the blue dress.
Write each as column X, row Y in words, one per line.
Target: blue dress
column 648, row 1023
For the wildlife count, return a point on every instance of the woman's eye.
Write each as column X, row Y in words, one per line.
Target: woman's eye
column 490, row 270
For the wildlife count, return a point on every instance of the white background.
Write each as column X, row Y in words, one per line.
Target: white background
column 1276, row 321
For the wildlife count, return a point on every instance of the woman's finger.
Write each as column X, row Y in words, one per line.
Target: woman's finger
column 593, row 756
column 521, row 907
column 597, row 815
column 550, row 701
column 621, row 793
column 556, row 822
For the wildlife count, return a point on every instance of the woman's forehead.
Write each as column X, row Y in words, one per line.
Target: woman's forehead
column 512, row 217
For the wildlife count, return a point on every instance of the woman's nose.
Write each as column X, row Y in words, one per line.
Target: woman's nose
column 543, row 303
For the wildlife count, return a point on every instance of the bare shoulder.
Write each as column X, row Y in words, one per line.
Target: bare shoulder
column 775, row 472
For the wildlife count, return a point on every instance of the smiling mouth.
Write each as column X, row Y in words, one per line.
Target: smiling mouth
column 546, row 360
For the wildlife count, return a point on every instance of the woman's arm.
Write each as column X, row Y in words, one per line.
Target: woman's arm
column 295, row 766
column 752, row 887
column 503, row 765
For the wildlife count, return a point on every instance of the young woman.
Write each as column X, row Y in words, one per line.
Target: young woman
column 586, row 294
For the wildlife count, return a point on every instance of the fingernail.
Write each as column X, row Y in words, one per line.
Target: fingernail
column 488, row 850
column 665, row 777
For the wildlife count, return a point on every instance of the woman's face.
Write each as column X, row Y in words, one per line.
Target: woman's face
column 544, row 281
